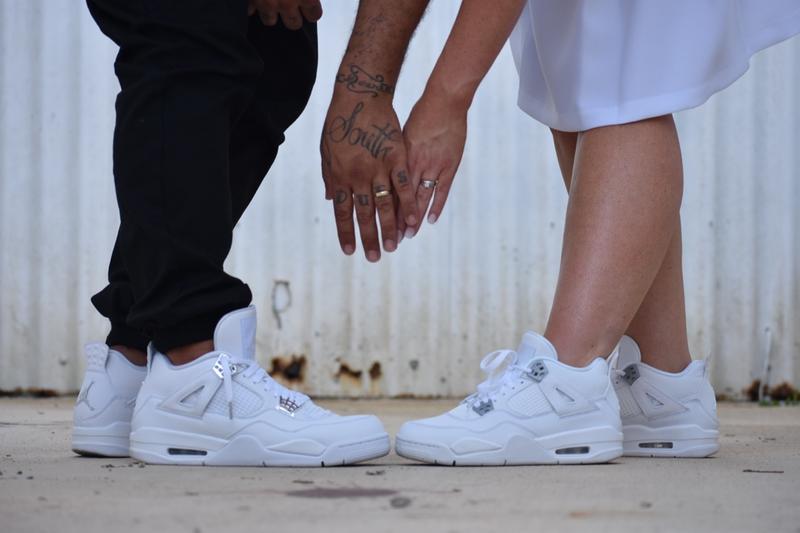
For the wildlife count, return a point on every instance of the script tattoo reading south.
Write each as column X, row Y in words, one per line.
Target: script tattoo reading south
column 374, row 140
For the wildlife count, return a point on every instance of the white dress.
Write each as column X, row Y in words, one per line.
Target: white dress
column 589, row 63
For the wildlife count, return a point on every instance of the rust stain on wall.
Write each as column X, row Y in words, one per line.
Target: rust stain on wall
column 781, row 392
column 348, row 373
column 375, row 372
column 291, row 368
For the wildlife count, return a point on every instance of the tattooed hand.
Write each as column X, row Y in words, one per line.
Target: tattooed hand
column 364, row 163
column 435, row 134
column 291, row 12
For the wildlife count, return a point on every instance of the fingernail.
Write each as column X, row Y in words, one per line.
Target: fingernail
column 432, row 219
column 349, row 249
column 372, row 256
column 390, row 245
column 399, row 236
column 410, row 233
column 411, row 220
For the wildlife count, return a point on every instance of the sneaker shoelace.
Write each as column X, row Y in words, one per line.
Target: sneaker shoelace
column 501, row 369
column 227, row 366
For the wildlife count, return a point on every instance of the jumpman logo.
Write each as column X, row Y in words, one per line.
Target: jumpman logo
column 83, row 397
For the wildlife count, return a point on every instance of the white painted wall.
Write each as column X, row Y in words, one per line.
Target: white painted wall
column 472, row 283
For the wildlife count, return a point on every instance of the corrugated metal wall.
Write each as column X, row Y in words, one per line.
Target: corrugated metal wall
column 418, row 322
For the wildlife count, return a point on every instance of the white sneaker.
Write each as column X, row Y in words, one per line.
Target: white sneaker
column 102, row 414
column 665, row 414
column 531, row 410
column 223, row 409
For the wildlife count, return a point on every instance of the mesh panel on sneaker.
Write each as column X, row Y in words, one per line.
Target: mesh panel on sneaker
column 245, row 402
column 529, row 402
column 96, row 355
column 627, row 405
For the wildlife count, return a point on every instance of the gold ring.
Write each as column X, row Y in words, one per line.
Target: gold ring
column 381, row 194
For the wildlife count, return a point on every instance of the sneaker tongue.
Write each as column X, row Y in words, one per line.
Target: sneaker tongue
column 534, row 345
column 628, row 352
column 235, row 334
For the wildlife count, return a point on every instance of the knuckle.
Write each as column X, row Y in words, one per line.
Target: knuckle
column 393, row 159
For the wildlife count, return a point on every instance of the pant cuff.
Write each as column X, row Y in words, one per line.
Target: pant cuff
column 124, row 335
column 196, row 330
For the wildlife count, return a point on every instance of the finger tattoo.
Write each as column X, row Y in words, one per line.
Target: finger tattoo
column 341, row 196
column 402, row 177
column 363, row 199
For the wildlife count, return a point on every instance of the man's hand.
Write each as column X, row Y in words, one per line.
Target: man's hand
column 364, row 163
column 291, row 12
column 362, row 147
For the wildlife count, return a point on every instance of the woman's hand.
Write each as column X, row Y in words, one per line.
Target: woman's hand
column 434, row 134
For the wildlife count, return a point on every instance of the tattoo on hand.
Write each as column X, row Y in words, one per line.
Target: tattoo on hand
column 344, row 129
column 341, row 196
column 402, row 177
column 363, row 199
column 360, row 81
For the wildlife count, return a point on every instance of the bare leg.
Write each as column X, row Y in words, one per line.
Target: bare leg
column 659, row 325
column 624, row 181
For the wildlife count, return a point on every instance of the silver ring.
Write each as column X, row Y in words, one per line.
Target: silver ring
column 429, row 184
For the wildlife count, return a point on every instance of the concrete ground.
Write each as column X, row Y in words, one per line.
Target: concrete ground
column 752, row 485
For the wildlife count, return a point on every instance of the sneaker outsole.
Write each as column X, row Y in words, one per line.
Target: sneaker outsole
column 519, row 451
column 109, row 441
column 684, row 441
column 245, row 450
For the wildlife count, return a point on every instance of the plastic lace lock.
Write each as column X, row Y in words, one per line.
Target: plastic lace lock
column 537, row 371
column 630, row 373
column 219, row 367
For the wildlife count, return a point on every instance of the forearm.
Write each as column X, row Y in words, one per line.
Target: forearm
column 377, row 46
column 479, row 33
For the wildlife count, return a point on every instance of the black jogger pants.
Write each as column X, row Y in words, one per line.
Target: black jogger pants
column 206, row 94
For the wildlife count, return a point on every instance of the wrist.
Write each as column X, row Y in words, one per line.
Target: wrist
column 357, row 80
column 448, row 93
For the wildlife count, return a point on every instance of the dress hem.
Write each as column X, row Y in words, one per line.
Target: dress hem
column 654, row 106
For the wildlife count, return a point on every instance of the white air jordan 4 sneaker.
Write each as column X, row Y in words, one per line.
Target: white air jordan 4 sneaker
column 665, row 414
column 102, row 415
column 223, row 409
column 532, row 409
